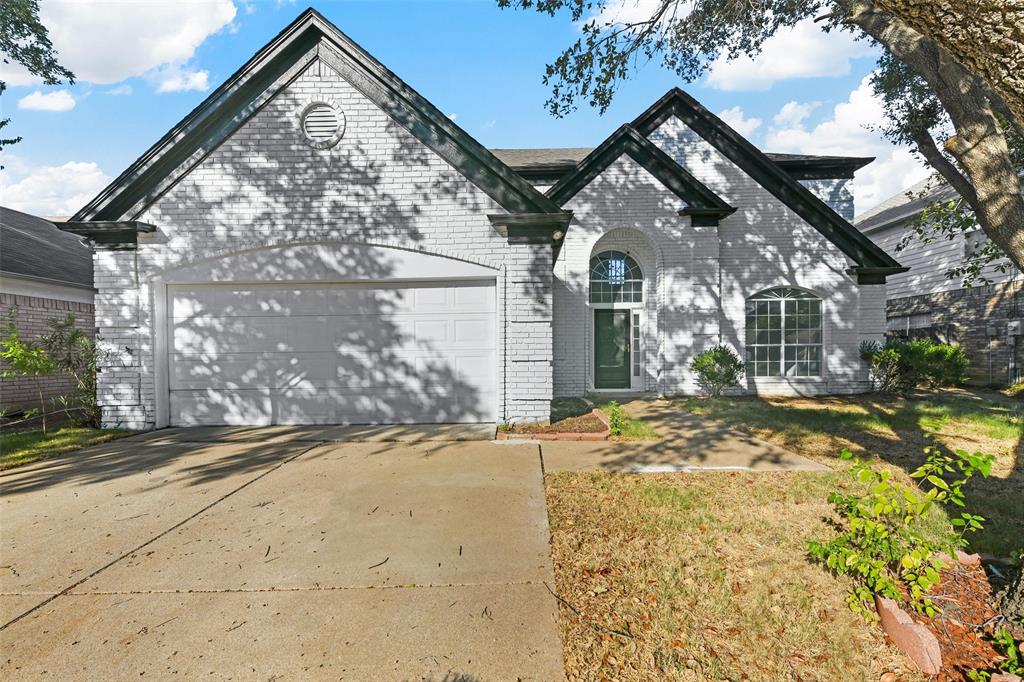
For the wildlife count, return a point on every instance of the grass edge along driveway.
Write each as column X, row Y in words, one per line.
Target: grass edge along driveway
column 18, row 448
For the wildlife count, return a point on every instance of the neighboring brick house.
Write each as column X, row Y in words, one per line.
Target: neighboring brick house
column 986, row 319
column 317, row 243
column 45, row 273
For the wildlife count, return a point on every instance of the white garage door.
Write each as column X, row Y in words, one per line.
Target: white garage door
column 289, row 353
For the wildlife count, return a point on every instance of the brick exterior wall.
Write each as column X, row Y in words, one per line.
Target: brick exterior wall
column 32, row 319
column 836, row 192
column 978, row 319
column 697, row 279
column 266, row 187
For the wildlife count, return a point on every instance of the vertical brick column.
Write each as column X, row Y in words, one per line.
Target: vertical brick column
column 528, row 333
column 119, row 377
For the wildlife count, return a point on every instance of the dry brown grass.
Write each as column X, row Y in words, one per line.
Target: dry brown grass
column 703, row 577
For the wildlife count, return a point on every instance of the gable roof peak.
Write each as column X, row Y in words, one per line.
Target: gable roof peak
column 626, row 140
column 308, row 37
column 872, row 263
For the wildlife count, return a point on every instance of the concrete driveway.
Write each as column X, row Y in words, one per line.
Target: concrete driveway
column 186, row 554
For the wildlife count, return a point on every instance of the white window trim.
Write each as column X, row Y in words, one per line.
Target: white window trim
column 783, row 378
column 636, row 380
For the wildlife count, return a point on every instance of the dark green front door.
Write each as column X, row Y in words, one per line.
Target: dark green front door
column 611, row 349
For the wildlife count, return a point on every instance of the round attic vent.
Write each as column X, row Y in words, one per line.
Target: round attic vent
column 322, row 125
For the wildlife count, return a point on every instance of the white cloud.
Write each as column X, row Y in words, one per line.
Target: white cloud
column 735, row 118
column 177, row 79
column 16, row 74
column 49, row 190
column 453, row 116
column 104, row 41
column 793, row 113
column 489, row 124
column 846, row 133
column 60, row 100
column 119, row 90
column 802, row 51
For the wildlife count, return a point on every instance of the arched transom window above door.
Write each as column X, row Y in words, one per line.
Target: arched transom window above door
column 783, row 333
column 615, row 278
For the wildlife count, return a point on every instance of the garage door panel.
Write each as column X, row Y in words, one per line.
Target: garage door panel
column 263, row 407
column 360, row 353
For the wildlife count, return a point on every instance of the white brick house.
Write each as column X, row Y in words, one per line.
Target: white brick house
column 316, row 243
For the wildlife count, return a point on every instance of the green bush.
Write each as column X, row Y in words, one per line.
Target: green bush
column 616, row 422
column 717, row 369
column 881, row 546
column 76, row 354
column 900, row 365
column 25, row 359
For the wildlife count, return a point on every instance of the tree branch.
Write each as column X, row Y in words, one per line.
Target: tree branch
column 979, row 146
column 937, row 160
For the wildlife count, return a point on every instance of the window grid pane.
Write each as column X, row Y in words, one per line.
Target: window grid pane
column 615, row 278
column 783, row 334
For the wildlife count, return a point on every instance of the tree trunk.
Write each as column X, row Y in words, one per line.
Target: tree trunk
column 979, row 146
column 1011, row 602
column 986, row 36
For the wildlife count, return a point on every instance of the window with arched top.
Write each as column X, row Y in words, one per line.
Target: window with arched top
column 784, row 333
column 615, row 278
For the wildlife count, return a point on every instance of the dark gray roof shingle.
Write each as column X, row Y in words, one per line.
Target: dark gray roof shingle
column 33, row 247
column 907, row 204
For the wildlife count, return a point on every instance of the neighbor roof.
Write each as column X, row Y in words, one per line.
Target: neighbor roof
column 905, row 204
column 873, row 264
column 309, row 37
column 35, row 248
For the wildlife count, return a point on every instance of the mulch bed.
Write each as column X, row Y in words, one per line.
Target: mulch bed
column 584, row 423
column 969, row 617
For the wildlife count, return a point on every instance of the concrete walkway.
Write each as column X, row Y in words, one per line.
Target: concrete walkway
column 162, row 557
column 688, row 443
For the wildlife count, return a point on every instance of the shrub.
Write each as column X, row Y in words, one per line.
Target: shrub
column 25, row 359
column 717, row 369
column 900, row 365
column 616, row 421
column 945, row 364
column 76, row 354
column 881, row 545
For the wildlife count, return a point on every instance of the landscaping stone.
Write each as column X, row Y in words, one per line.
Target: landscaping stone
column 913, row 639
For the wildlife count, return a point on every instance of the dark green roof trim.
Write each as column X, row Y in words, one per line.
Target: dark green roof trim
column 532, row 228
column 769, row 175
column 111, row 234
column 309, row 37
column 626, row 140
column 874, row 275
column 823, row 168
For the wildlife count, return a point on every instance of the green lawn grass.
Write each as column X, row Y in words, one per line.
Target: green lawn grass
column 896, row 430
column 22, row 447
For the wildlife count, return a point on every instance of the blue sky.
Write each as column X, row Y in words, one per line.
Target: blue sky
column 143, row 66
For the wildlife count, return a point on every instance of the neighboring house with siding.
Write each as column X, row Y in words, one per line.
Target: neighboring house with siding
column 986, row 319
column 45, row 273
column 317, row 243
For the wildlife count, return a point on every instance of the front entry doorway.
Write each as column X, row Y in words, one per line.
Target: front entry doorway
column 611, row 349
